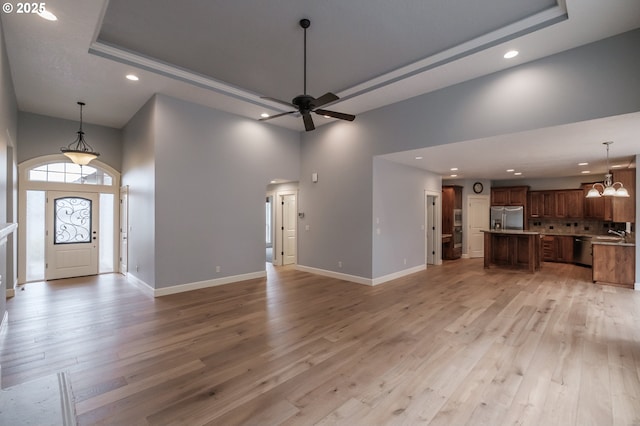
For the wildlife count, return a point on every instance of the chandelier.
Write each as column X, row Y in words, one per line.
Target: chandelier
column 608, row 186
column 79, row 151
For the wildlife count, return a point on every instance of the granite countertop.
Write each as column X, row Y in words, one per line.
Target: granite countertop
column 511, row 231
column 613, row 243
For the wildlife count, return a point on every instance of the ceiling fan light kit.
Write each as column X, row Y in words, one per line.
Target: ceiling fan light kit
column 305, row 104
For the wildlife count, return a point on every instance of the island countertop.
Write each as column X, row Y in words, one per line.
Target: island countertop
column 511, row 231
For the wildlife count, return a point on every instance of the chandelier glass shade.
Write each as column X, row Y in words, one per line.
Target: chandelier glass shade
column 79, row 151
column 608, row 186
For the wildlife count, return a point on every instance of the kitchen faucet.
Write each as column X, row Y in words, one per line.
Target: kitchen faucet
column 620, row 234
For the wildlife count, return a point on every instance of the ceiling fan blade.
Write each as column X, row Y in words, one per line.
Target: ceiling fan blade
column 334, row 114
column 324, row 99
column 308, row 122
column 276, row 116
column 277, row 100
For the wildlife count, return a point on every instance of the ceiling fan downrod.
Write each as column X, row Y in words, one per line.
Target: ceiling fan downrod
column 305, row 23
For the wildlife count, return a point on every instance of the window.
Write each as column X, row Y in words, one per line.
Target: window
column 70, row 173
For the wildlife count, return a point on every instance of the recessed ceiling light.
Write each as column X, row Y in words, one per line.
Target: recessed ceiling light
column 264, row 115
column 274, row 181
column 132, row 77
column 419, row 157
column 454, row 175
column 510, row 170
column 617, row 166
column 517, row 173
column 585, row 172
column 454, row 169
column 511, row 54
column 583, row 164
column 47, row 15
column 326, row 116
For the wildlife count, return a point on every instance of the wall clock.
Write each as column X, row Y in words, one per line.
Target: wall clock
column 477, row 187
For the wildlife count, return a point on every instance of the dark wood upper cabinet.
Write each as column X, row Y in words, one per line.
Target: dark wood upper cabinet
column 542, row 204
column 509, row 196
column 624, row 209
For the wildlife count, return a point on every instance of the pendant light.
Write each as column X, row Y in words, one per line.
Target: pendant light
column 79, row 151
column 608, row 186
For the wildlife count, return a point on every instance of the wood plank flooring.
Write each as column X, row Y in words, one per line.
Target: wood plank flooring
column 453, row 345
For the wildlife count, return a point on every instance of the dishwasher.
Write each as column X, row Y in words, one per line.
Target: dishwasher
column 582, row 251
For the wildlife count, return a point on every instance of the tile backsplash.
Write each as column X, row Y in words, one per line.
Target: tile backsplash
column 572, row 227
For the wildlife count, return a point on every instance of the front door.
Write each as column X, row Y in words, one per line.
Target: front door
column 289, row 228
column 71, row 234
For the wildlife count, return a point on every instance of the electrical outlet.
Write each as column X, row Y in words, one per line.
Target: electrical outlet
column 339, row 264
column 137, row 268
column 405, row 261
column 217, row 269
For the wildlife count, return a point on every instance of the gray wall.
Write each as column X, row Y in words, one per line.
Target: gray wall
column 42, row 135
column 8, row 136
column 593, row 81
column 637, row 223
column 138, row 173
column 399, row 215
column 212, row 171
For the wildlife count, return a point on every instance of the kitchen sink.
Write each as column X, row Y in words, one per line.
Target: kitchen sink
column 609, row 238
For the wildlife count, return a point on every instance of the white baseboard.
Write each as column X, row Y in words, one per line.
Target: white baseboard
column 146, row 288
column 208, row 283
column 338, row 275
column 465, row 256
column 361, row 280
column 11, row 292
column 636, row 286
column 4, row 322
column 399, row 274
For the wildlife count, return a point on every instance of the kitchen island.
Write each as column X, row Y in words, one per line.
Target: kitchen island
column 512, row 248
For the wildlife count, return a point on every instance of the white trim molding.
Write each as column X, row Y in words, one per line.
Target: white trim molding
column 338, row 275
column 146, row 288
column 181, row 288
column 394, row 276
column 361, row 280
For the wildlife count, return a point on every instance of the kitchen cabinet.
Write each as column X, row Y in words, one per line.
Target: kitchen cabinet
column 614, row 264
column 557, row 248
column 541, row 204
column 569, row 204
column 509, row 196
column 596, row 208
column 613, row 209
column 624, row 209
column 562, row 204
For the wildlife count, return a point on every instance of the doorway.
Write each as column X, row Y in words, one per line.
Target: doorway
column 68, row 219
column 72, row 223
column 433, row 249
column 269, row 224
column 479, row 210
column 289, row 229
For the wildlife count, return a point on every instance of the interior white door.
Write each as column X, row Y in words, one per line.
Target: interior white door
column 289, row 229
column 479, row 211
column 124, row 229
column 71, row 234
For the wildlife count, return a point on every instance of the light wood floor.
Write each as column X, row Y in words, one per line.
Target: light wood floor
column 454, row 345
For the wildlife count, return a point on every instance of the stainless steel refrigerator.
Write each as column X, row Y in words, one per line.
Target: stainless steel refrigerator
column 507, row 217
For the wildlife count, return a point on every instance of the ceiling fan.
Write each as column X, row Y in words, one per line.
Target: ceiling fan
column 306, row 104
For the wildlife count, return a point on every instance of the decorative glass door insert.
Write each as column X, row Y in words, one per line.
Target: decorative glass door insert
column 72, row 220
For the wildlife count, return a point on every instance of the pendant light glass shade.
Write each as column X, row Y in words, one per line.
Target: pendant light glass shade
column 79, row 151
column 608, row 186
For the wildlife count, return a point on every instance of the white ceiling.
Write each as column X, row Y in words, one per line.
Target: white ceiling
column 225, row 55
